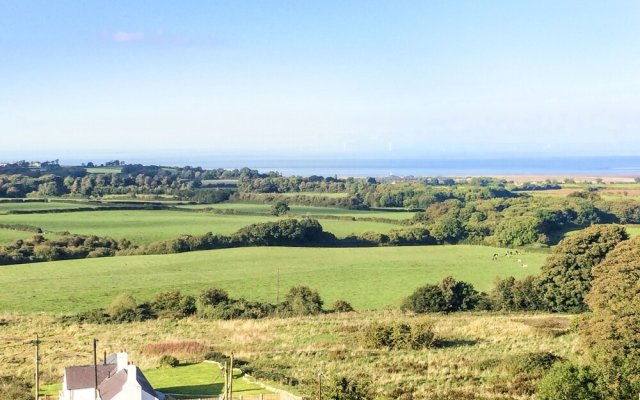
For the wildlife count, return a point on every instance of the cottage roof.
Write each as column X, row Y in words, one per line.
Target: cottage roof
column 83, row 376
column 112, row 386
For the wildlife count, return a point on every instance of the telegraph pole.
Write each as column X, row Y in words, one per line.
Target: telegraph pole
column 231, row 378
column 95, row 366
column 37, row 343
column 319, row 385
column 278, row 286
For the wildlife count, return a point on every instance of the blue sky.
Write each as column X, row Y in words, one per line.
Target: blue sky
column 320, row 79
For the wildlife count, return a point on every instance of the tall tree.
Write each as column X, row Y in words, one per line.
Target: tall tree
column 612, row 332
column 565, row 278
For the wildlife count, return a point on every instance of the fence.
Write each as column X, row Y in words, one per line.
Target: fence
column 274, row 396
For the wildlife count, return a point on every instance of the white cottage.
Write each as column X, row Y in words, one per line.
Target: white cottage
column 117, row 380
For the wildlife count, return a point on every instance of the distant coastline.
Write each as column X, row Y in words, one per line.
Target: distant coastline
column 613, row 168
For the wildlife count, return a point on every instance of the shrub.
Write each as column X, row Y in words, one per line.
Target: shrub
column 565, row 381
column 399, row 335
column 428, row 298
column 122, row 304
column 213, row 296
column 448, row 296
column 539, row 362
column 15, row 388
column 279, row 208
column 173, row 304
column 612, row 332
column 301, row 300
column 237, row 309
column 565, row 278
column 342, row 306
column 344, row 388
column 169, row 361
column 510, row 294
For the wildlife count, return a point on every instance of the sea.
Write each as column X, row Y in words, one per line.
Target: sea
column 628, row 166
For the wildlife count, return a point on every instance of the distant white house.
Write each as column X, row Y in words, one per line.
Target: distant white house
column 117, row 380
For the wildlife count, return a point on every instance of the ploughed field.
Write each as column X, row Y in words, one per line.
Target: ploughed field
column 368, row 278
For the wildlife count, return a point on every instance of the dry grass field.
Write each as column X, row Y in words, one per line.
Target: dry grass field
column 477, row 356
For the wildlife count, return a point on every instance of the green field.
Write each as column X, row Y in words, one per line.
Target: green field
column 316, row 194
column 201, row 379
column 144, row 226
column 261, row 208
column 37, row 206
column 104, row 170
column 8, row 236
column 369, row 278
column 633, row 230
column 197, row 379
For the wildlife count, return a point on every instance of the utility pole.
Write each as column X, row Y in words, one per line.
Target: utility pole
column 231, row 378
column 278, row 286
column 320, row 375
column 37, row 344
column 225, row 395
column 95, row 366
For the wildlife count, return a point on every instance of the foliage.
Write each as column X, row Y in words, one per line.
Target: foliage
column 169, row 361
column 301, row 300
column 399, row 335
column 15, row 388
column 213, row 296
column 279, row 208
column 237, row 309
column 40, row 249
column 342, row 306
column 123, row 304
column 532, row 362
column 428, row 298
column 612, row 332
column 345, row 388
column 447, row 296
column 565, row 278
column 566, row 381
column 173, row 304
column 509, row 294
column 518, row 231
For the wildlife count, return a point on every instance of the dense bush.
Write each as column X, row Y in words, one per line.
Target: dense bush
column 39, row 249
column 398, row 335
column 345, row 388
column 213, row 296
column 238, row 309
column 565, row 277
column 527, row 363
column 15, row 388
column 281, row 207
column 447, row 296
column 612, row 331
column 169, row 361
column 301, row 300
column 509, row 294
column 566, row 381
column 341, row 306
column 173, row 304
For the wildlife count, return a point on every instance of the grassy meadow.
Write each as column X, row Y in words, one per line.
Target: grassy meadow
column 477, row 355
column 34, row 206
column 144, row 226
column 8, row 236
column 368, row 278
column 190, row 379
column 262, row 208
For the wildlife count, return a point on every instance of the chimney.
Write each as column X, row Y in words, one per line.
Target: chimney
column 122, row 360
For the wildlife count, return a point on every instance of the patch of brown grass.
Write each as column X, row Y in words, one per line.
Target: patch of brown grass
column 182, row 347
